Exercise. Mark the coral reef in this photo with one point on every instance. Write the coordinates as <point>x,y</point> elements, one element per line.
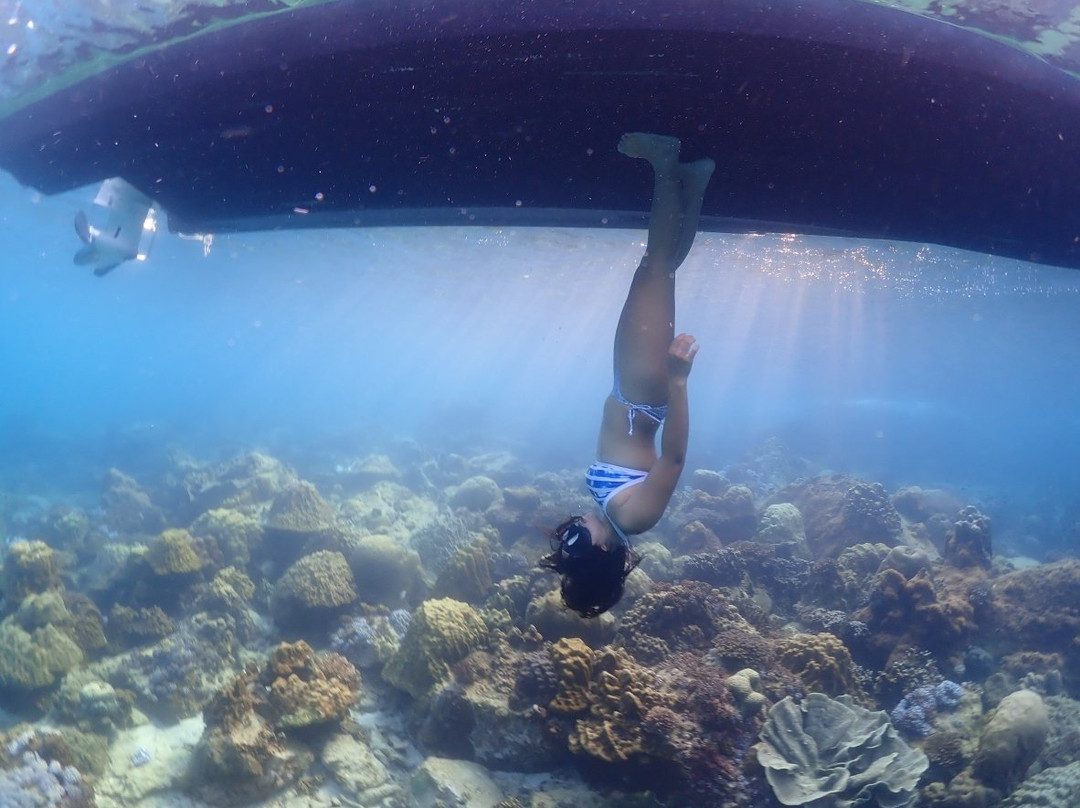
<point>30,660</point>
<point>968,544</point>
<point>903,611</point>
<point>839,511</point>
<point>303,689</point>
<point>781,523</point>
<point>831,752</point>
<point>1036,609</point>
<point>243,755</point>
<point>915,714</point>
<point>442,631</point>
<point>386,572</point>
<point>823,664</point>
<point>368,642</point>
<point>476,494</point>
<point>174,678</point>
<point>240,758</point>
<point>676,617</point>
<point>1053,788</point>
<point>130,627</point>
<point>730,516</point>
<point>554,621</point>
<point>236,533</point>
<point>128,508</point>
<point>30,567</point>
<point>34,782</point>
<point>744,690</point>
<point>572,663</point>
<point>466,576</point>
<point>313,590</point>
<point>173,553</point>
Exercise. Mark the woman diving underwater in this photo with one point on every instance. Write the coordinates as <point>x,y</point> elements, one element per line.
<point>630,482</point>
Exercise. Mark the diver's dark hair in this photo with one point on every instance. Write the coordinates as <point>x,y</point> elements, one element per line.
<point>592,582</point>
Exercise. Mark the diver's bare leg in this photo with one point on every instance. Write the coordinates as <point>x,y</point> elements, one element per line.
<point>647,323</point>
<point>694,178</point>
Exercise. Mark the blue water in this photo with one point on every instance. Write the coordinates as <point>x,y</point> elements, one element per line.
<point>907,364</point>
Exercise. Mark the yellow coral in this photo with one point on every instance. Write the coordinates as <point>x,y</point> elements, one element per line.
<point>823,663</point>
<point>173,553</point>
<point>622,692</point>
<point>29,567</point>
<point>573,660</point>
<point>467,575</point>
<point>442,631</point>
<point>743,686</point>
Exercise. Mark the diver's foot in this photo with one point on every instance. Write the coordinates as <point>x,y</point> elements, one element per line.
<point>695,178</point>
<point>660,150</point>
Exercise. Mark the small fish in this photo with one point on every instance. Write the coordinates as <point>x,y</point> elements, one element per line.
<point>141,756</point>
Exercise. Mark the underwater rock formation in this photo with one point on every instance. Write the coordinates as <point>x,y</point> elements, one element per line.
<point>831,753</point>
<point>1011,740</point>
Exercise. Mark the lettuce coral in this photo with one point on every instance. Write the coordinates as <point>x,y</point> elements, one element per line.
<point>831,753</point>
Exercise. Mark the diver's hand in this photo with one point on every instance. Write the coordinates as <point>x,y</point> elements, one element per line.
<point>681,356</point>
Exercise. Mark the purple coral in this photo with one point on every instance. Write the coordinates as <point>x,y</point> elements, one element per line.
<point>37,783</point>
<point>359,638</point>
<point>356,641</point>
<point>915,714</point>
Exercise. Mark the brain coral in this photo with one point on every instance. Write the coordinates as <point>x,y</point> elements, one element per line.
<point>314,587</point>
<point>442,631</point>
